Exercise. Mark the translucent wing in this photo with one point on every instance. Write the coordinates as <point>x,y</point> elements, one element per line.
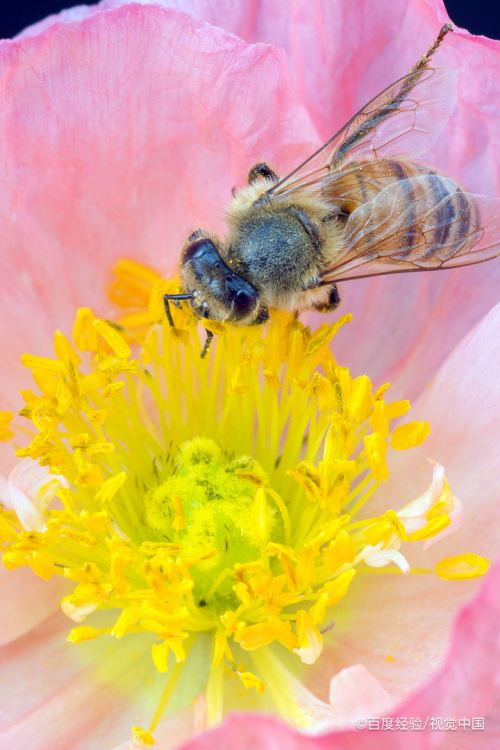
<point>402,121</point>
<point>421,223</point>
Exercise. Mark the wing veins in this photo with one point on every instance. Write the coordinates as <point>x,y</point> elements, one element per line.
<point>377,110</point>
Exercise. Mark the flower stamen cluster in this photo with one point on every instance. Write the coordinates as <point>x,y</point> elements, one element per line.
<point>224,498</point>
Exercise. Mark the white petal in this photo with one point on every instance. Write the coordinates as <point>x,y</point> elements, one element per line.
<point>310,653</point>
<point>78,614</point>
<point>356,694</point>
<point>456,520</point>
<point>419,507</point>
<point>379,558</point>
<point>414,524</point>
<point>30,488</point>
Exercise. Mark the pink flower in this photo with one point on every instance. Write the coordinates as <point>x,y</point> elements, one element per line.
<point>124,127</point>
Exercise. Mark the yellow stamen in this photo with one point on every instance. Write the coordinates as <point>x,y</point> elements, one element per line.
<point>142,738</point>
<point>410,435</point>
<point>250,681</point>
<point>5,420</point>
<point>375,450</point>
<point>462,566</point>
<point>85,633</point>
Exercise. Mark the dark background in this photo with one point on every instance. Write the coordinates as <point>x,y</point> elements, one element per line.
<point>478,16</point>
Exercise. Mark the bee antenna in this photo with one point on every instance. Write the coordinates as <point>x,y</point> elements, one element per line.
<point>174,298</point>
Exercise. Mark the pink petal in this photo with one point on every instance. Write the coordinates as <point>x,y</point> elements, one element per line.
<point>337,64</point>
<point>170,733</point>
<point>463,407</point>
<point>47,678</point>
<point>467,684</point>
<point>355,694</point>
<point>26,601</point>
<point>412,341</point>
<point>69,697</point>
<point>397,628</point>
<point>250,731</point>
<point>383,616</point>
<point>240,17</point>
<point>121,133</point>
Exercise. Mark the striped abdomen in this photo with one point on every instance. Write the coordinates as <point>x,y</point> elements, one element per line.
<point>417,213</point>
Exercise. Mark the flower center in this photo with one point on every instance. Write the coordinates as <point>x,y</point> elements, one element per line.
<point>214,499</point>
<point>211,505</point>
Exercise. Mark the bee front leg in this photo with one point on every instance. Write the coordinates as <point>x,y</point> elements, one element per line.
<point>174,299</point>
<point>259,171</point>
<point>332,302</point>
<point>168,312</point>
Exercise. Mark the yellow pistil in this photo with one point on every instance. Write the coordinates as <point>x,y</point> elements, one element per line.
<point>211,500</point>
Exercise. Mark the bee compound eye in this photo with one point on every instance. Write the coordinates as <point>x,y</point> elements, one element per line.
<point>244,302</point>
<point>199,249</point>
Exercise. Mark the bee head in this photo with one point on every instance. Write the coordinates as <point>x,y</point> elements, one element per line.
<point>218,292</point>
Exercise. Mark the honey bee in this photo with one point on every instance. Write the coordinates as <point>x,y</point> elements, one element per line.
<point>359,206</point>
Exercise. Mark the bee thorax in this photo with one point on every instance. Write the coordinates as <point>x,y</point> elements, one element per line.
<point>275,252</point>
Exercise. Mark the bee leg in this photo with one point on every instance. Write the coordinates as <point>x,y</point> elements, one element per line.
<point>332,302</point>
<point>167,310</point>
<point>174,299</point>
<point>261,317</point>
<point>261,170</point>
<point>206,345</point>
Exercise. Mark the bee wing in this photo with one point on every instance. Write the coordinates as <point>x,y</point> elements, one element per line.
<point>421,223</point>
<point>404,120</point>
